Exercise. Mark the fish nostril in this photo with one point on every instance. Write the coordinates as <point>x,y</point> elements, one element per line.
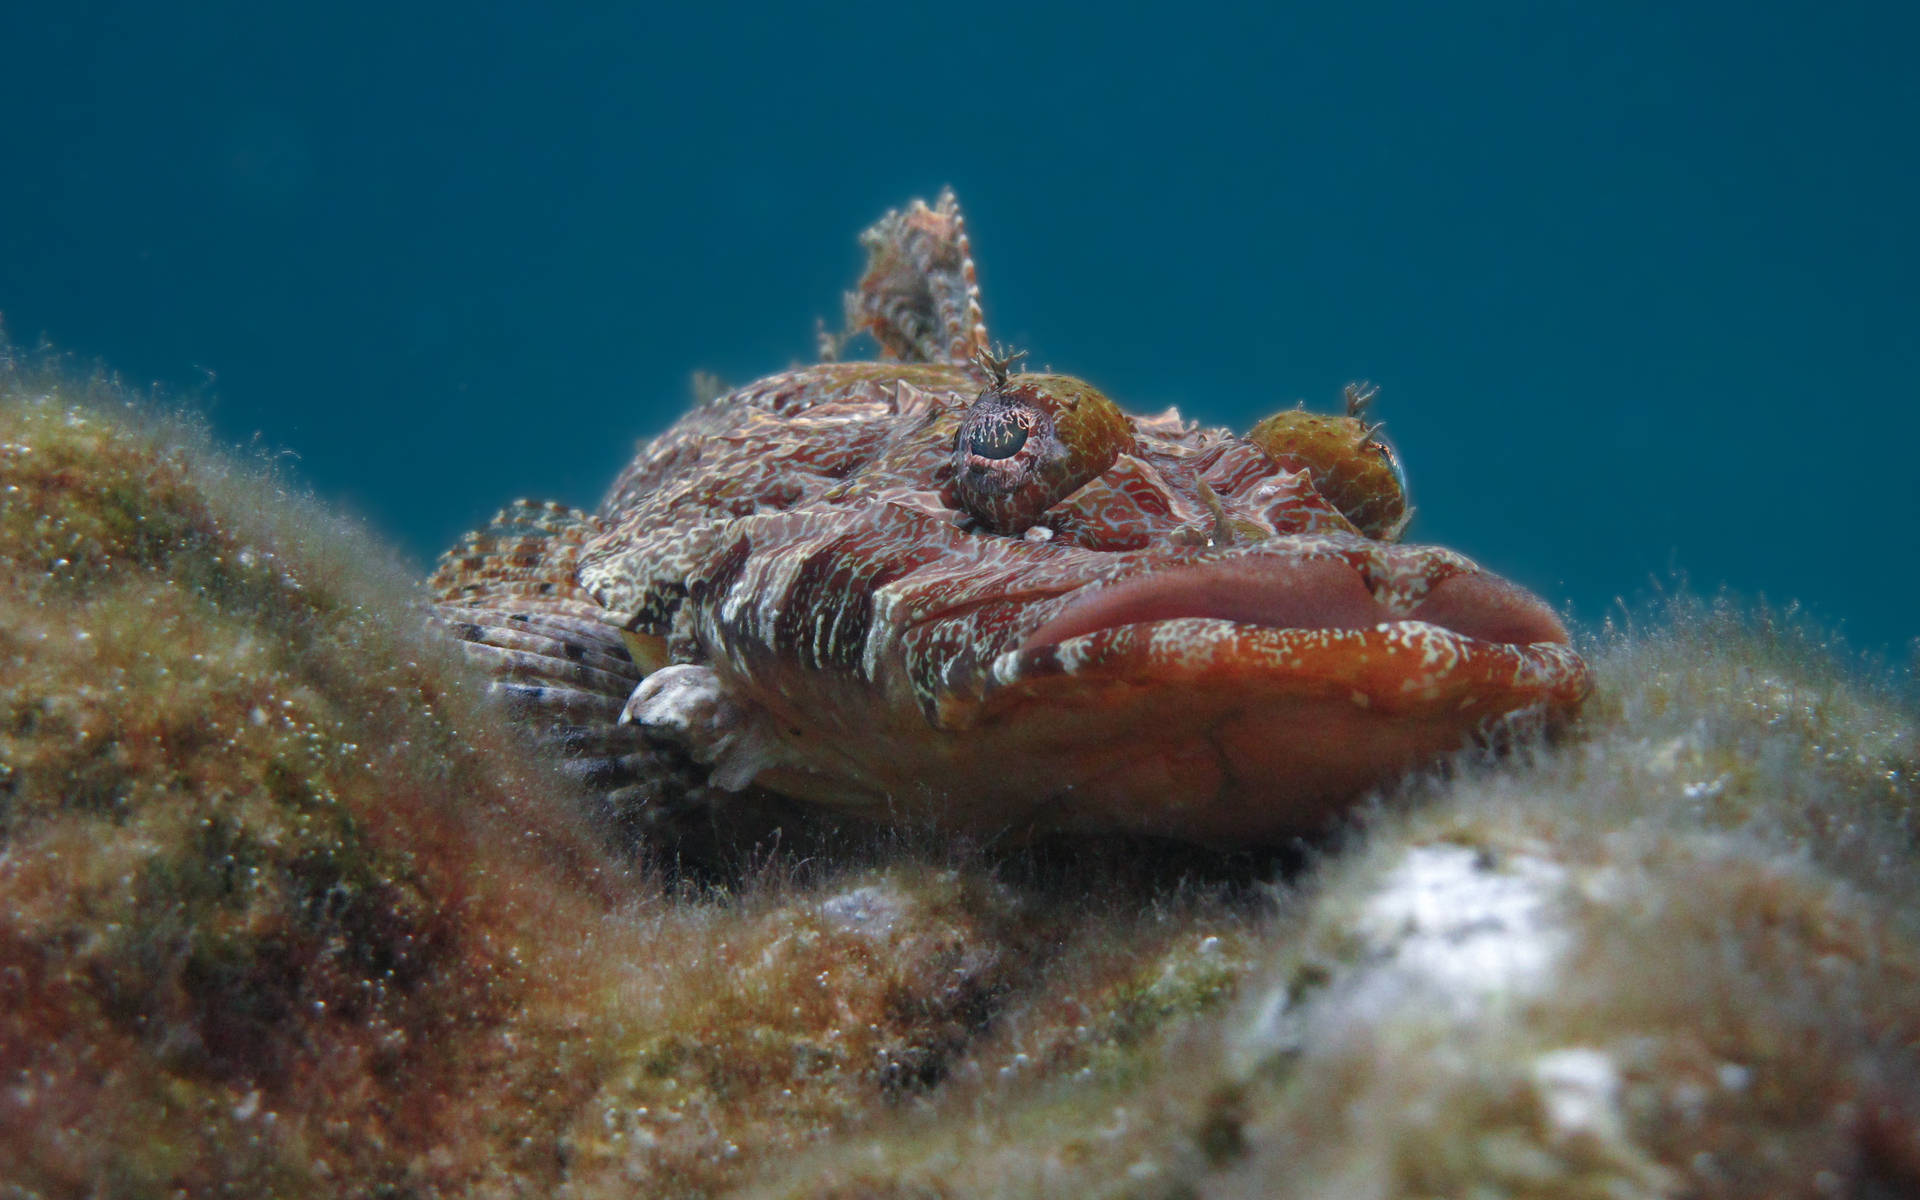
<point>1398,579</point>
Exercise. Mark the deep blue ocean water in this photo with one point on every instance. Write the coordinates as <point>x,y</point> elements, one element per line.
<point>1638,281</point>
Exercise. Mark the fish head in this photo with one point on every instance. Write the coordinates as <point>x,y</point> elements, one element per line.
<point>1211,635</point>
<point>1016,603</point>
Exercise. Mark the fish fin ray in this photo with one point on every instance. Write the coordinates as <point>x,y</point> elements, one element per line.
<point>510,595</point>
<point>919,297</point>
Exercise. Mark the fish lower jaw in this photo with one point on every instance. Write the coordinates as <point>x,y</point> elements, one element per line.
<point>1217,732</point>
<point>1202,729</point>
<point>1212,732</point>
<point>1390,666</point>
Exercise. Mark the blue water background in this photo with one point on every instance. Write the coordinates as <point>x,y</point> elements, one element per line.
<point>1638,280</point>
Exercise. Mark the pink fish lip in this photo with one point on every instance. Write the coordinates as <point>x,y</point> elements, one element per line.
<point>1316,593</point>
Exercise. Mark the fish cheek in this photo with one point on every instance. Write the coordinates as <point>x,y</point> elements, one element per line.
<point>1030,441</point>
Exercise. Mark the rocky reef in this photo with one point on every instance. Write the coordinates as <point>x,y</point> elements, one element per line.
<point>286,908</point>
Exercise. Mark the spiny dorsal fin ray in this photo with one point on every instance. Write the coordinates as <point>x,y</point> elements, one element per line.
<point>919,298</point>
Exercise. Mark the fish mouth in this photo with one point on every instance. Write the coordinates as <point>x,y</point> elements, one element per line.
<point>1250,699</point>
<point>1312,593</point>
<point>1399,630</point>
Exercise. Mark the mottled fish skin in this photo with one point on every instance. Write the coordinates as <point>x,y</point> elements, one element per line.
<point>935,589</point>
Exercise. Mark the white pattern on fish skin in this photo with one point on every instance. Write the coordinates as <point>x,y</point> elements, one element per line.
<point>1399,583</point>
<point>1440,650</point>
<point>882,632</point>
<point>1005,668</point>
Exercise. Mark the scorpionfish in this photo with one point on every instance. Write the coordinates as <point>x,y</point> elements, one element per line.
<point>938,589</point>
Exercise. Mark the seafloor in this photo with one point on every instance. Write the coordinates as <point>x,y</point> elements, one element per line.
<point>286,909</point>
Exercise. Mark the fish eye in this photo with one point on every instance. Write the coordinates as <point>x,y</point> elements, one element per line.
<point>1351,466</point>
<point>1391,458</point>
<point>1030,441</point>
<point>997,439</point>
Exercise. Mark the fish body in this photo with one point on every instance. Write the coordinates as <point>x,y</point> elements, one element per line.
<point>935,589</point>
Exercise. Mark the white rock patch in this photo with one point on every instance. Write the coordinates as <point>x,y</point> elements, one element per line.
<point>1457,928</point>
<point>1579,1090</point>
<point>1448,933</point>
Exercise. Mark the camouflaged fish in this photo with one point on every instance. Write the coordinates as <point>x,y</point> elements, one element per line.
<point>938,589</point>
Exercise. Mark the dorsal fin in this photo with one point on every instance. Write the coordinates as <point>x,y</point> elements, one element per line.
<point>919,297</point>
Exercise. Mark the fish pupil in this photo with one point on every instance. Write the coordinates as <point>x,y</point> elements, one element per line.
<point>997,440</point>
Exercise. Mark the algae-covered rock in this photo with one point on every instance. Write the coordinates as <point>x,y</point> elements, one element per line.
<point>286,908</point>
<point>278,897</point>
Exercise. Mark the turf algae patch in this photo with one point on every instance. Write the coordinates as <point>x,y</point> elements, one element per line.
<point>790,1017</point>
<point>274,887</point>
